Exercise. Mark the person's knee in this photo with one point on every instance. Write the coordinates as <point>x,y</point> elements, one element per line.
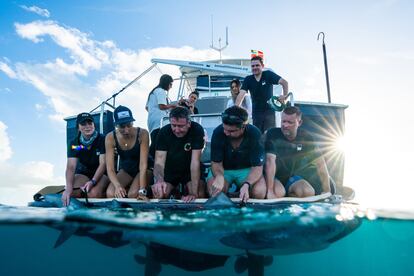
<point>301,188</point>
<point>94,193</point>
<point>110,192</point>
<point>259,189</point>
<point>132,193</point>
<point>279,191</point>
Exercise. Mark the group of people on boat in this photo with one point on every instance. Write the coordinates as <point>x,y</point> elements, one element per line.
<point>258,160</point>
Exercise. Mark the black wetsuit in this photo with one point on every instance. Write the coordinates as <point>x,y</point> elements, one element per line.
<point>88,157</point>
<point>129,159</point>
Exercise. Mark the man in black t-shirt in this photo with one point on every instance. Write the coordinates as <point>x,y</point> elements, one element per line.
<point>177,157</point>
<point>260,85</point>
<point>237,156</point>
<point>294,164</point>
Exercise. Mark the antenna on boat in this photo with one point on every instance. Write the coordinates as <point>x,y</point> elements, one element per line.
<point>325,61</point>
<point>219,48</point>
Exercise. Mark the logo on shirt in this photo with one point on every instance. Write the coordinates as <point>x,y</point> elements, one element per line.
<point>263,83</point>
<point>98,153</point>
<point>299,147</point>
<point>187,147</point>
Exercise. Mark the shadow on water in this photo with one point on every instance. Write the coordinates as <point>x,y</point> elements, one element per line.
<point>252,237</point>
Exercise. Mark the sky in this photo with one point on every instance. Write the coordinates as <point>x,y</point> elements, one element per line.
<point>60,58</point>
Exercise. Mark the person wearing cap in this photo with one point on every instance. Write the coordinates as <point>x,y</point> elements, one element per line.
<point>294,163</point>
<point>178,157</point>
<point>158,106</point>
<point>131,144</point>
<point>260,85</point>
<point>237,156</point>
<point>85,169</point>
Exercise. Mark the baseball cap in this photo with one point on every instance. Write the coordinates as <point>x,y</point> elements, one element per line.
<point>82,117</point>
<point>122,115</point>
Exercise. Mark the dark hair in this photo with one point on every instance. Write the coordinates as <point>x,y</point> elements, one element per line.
<point>236,81</point>
<point>164,83</point>
<point>180,112</point>
<point>195,92</point>
<point>235,116</point>
<point>290,110</point>
<point>257,58</point>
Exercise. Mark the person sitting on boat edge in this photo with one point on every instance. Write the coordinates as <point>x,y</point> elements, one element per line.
<point>237,156</point>
<point>86,161</point>
<point>235,90</point>
<point>294,163</point>
<point>260,84</point>
<point>178,157</point>
<point>132,145</point>
<point>190,102</point>
<point>158,106</point>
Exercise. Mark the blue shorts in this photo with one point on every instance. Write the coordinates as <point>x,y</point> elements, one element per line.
<point>292,180</point>
<point>233,176</point>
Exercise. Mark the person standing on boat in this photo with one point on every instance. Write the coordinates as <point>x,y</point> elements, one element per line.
<point>86,161</point>
<point>178,157</point>
<point>131,144</point>
<point>158,106</point>
<point>190,102</point>
<point>260,86</point>
<point>235,90</point>
<point>237,156</point>
<point>294,163</point>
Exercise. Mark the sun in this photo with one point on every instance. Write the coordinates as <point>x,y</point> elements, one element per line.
<point>341,144</point>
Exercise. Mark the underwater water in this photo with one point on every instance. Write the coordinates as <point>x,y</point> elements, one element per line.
<point>295,239</point>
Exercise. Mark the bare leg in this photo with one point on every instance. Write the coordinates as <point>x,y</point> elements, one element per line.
<point>98,191</point>
<point>124,178</point>
<point>134,188</point>
<point>278,190</point>
<point>201,192</point>
<point>258,190</point>
<point>79,181</point>
<point>301,188</point>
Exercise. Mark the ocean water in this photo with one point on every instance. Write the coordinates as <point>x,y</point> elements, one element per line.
<point>297,239</point>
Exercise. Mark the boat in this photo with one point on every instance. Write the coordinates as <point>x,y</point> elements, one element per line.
<point>326,121</point>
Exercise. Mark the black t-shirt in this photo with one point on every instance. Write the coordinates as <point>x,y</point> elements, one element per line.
<point>296,157</point>
<point>179,150</point>
<point>250,153</point>
<point>88,157</point>
<point>261,91</point>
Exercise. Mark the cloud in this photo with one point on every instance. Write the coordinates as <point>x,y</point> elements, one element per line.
<point>7,70</point>
<point>39,107</point>
<point>26,178</point>
<point>65,81</point>
<point>5,149</point>
<point>36,10</point>
<point>21,182</point>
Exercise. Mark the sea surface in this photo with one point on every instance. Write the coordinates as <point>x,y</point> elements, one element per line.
<point>291,239</point>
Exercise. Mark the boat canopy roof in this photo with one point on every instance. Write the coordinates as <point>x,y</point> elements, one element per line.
<point>234,67</point>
